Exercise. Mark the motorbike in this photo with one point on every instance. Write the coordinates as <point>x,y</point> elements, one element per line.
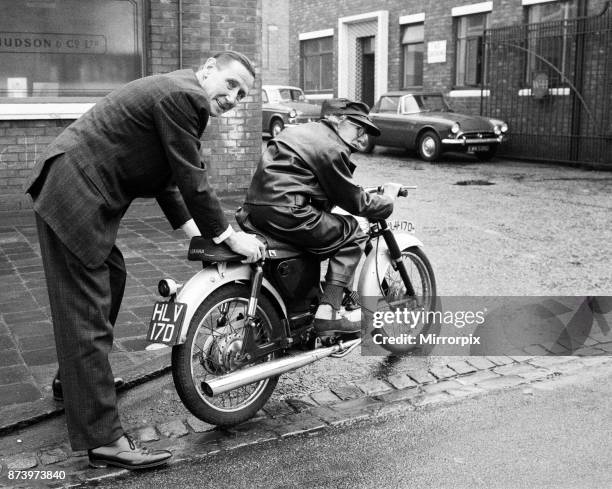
<point>235,328</point>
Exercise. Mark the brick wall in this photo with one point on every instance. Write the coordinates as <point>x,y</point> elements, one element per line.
<point>275,42</point>
<point>315,15</point>
<point>232,142</point>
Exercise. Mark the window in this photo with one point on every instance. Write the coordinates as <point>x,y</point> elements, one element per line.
<point>64,48</point>
<point>470,56</point>
<point>412,55</point>
<point>317,64</point>
<point>547,41</point>
<point>264,97</point>
<point>388,105</point>
<point>410,105</point>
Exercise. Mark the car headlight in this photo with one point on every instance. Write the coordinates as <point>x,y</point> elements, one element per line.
<point>292,114</point>
<point>455,128</point>
<point>497,130</point>
<point>504,127</point>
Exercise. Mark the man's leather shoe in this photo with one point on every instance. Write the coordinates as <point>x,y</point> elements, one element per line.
<point>126,454</point>
<point>329,321</point>
<point>56,387</point>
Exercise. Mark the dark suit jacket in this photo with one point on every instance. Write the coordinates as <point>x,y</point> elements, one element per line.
<point>142,140</point>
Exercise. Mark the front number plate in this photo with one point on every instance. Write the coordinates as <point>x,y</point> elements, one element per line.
<point>166,322</point>
<point>474,149</point>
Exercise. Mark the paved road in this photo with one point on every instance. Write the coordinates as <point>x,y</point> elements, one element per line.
<point>556,434</point>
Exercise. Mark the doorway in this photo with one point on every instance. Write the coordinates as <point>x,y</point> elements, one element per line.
<point>367,72</point>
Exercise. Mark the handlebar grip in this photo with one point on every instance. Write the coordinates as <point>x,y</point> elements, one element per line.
<point>403,192</point>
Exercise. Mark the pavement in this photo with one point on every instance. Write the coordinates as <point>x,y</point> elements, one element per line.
<point>151,250</point>
<point>54,465</point>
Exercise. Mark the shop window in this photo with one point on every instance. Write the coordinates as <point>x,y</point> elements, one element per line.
<point>317,60</point>
<point>412,55</point>
<point>69,48</point>
<point>548,43</point>
<point>469,49</point>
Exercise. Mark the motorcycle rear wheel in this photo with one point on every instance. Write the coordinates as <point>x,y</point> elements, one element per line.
<point>423,281</point>
<point>214,340</point>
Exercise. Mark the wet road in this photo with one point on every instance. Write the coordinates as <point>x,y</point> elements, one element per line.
<point>556,434</point>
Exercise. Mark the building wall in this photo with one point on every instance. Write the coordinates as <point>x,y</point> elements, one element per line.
<point>232,142</point>
<point>315,15</point>
<point>309,16</point>
<point>275,42</point>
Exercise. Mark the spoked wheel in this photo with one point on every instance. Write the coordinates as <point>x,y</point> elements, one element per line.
<point>396,297</point>
<point>212,349</point>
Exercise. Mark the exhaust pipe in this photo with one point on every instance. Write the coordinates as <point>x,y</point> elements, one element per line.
<point>273,368</point>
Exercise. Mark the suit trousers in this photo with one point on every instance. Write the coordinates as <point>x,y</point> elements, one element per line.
<point>84,307</point>
<point>326,235</point>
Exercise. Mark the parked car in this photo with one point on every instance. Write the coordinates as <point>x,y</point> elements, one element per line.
<point>285,106</point>
<point>425,122</point>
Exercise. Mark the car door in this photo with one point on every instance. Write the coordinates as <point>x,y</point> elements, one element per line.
<point>385,116</point>
<point>409,114</point>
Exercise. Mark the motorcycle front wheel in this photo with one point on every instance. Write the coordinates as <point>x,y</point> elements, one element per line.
<point>396,298</point>
<point>212,349</point>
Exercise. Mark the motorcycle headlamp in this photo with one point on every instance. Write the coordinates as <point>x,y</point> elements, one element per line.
<point>167,287</point>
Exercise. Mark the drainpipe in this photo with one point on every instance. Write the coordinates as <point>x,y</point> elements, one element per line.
<point>180,33</point>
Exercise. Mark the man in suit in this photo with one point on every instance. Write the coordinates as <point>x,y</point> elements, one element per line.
<point>142,140</point>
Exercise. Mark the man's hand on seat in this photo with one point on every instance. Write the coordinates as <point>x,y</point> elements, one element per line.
<point>247,245</point>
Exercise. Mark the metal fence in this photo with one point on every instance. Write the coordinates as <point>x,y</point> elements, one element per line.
<point>552,83</point>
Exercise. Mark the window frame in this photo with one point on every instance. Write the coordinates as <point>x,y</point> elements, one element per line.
<point>481,55</point>
<point>320,55</point>
<point>69,107</point>
<point>403,28</point>
<point>558,81</point>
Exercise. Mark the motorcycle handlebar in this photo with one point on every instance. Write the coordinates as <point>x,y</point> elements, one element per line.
<point>403,192</point>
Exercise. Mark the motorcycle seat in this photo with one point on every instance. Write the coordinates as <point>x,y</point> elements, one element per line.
<point>205,250</point>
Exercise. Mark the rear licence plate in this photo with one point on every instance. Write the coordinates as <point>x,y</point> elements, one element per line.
<point>166,322</point>
<point>481,147</point>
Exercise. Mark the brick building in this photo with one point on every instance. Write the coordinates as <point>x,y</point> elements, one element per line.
<point>58,56</point>
<point>275,42</point>
<point>360,50</point>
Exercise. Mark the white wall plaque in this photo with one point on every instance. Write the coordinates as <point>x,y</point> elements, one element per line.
<point>436,51</point>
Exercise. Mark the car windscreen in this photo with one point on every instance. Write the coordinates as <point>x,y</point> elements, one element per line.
<point>285,94</point>
<point>431,103</point>
<point>297,96</point>
<point>388,104</point>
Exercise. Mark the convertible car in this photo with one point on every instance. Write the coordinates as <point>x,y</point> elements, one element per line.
<point>425,122</point>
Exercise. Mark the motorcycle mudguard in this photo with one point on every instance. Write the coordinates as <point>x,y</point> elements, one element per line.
<point>368,277</point>
<point>203,283</point>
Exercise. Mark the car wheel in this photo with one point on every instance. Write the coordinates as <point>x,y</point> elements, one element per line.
<point>487,155</point>
<point>276,127</point>
<point>429,147</point>
<point>369,145</point>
